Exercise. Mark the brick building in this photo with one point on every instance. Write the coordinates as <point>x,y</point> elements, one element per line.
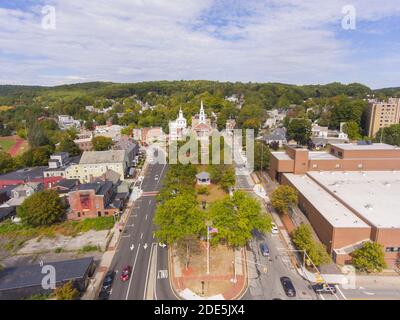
<point>93,200</point>
<point>348,194</point>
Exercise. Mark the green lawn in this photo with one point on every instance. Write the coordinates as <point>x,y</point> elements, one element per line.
<point>67,228</point>
<point>6,144</point>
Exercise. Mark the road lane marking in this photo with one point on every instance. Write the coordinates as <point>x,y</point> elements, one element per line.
<point>126,236</point>
<point>148,294</point>
<point>133,270</point>
<point>162,274</point>
<point>146,216</point>
<point>341,293</point>
<point>141,236</point>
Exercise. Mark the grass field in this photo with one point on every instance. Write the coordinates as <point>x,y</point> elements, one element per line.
<point>6,143</point>
<point>14,145</point>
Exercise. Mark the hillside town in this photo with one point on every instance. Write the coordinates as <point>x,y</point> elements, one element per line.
<point>126,175</point>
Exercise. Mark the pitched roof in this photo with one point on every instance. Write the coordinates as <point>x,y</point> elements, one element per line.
<point>203,175</point>
<point>31,275</point>
<point>99,157</point>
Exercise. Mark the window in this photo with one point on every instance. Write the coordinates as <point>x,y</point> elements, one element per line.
<point>106,213</point>
<point>337,166</point>
<point>392,249</point>
<point>78,214</point>
<point>99,213</point>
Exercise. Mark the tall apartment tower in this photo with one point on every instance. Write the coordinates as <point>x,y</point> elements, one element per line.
<point>382,114</point>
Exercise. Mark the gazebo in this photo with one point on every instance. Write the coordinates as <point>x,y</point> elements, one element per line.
<point>203,178</point>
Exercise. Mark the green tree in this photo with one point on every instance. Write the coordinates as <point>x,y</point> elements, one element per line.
<point>236,218</point>
<point>66,292</point>
<point>299,130</point>
<point>353,130</point>
<point>178,218</point>
<point>35,157</point>
<point>41,209</point>
<point>369,258</point>
<point>37,136</point>
<point>6,162</point>
<point>262,154</point>
<point>303,240</point>
<point>224,175</point>
<point>283,197</point>
<point>389,135</point>
<point>68,145</point>
<point>101,143</point>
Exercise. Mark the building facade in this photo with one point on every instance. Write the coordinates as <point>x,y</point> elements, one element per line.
<point>348,194</point>
<point>382,114</point>
<point>94,164</point>
<point>93,200</point>
<point>177,128</point>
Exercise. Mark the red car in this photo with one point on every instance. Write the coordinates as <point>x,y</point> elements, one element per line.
<point>126,273</point>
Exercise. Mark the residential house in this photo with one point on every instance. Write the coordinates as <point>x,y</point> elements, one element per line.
<point>131,148</point>
<point>278,136</point>
<point>59,163</point>
<point>84,141</point>
<point>28,175</point>
<point>109,131</point>
<point>66,122</point>
<point>21,192</point>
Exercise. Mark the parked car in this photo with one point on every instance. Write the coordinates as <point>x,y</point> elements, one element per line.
<point>324,288</point>
<point>274,229</point>
<point>108,281</point>
<point>264,249</point>
<point>126,273</point>
<point>104,295</point>
<point>288,287</point>
<point>156,177</point>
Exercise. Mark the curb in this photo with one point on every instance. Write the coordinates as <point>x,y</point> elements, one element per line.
<point>241,293</point>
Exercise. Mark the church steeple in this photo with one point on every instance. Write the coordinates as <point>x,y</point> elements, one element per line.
<point>202,114</point>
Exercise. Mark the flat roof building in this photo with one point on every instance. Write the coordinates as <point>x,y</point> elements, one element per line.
<point>348,194</point>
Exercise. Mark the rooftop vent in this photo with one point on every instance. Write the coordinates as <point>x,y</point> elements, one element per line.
<point>369,207</point>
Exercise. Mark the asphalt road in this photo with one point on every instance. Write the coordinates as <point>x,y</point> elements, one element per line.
<point>139,249</point>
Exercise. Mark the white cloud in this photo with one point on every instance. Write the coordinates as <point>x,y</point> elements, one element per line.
<point>133,40</point>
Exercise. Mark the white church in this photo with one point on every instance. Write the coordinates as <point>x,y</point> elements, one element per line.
<point>201,125</point>
<point>178,128</point>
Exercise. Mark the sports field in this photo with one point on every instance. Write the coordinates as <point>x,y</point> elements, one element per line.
<point>14,145</point>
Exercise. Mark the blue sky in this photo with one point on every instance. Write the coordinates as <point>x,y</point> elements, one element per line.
<point>290,41</point>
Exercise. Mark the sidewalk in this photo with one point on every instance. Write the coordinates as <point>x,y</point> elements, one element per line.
<point>195,284</point>
<point>95,282</point>
<point>286,225</point>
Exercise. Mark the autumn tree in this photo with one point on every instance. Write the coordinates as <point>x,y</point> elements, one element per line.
<point>283,197</point>
<point>66,292</point>
<point>303,240</point>
<point>369,258</point>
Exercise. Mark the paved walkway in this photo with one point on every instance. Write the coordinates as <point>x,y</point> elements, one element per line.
<point>186,284</point>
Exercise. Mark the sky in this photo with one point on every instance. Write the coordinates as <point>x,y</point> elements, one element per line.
<point>288,41</point>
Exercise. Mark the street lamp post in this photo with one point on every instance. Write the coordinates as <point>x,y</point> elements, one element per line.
<point>234,279</point>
